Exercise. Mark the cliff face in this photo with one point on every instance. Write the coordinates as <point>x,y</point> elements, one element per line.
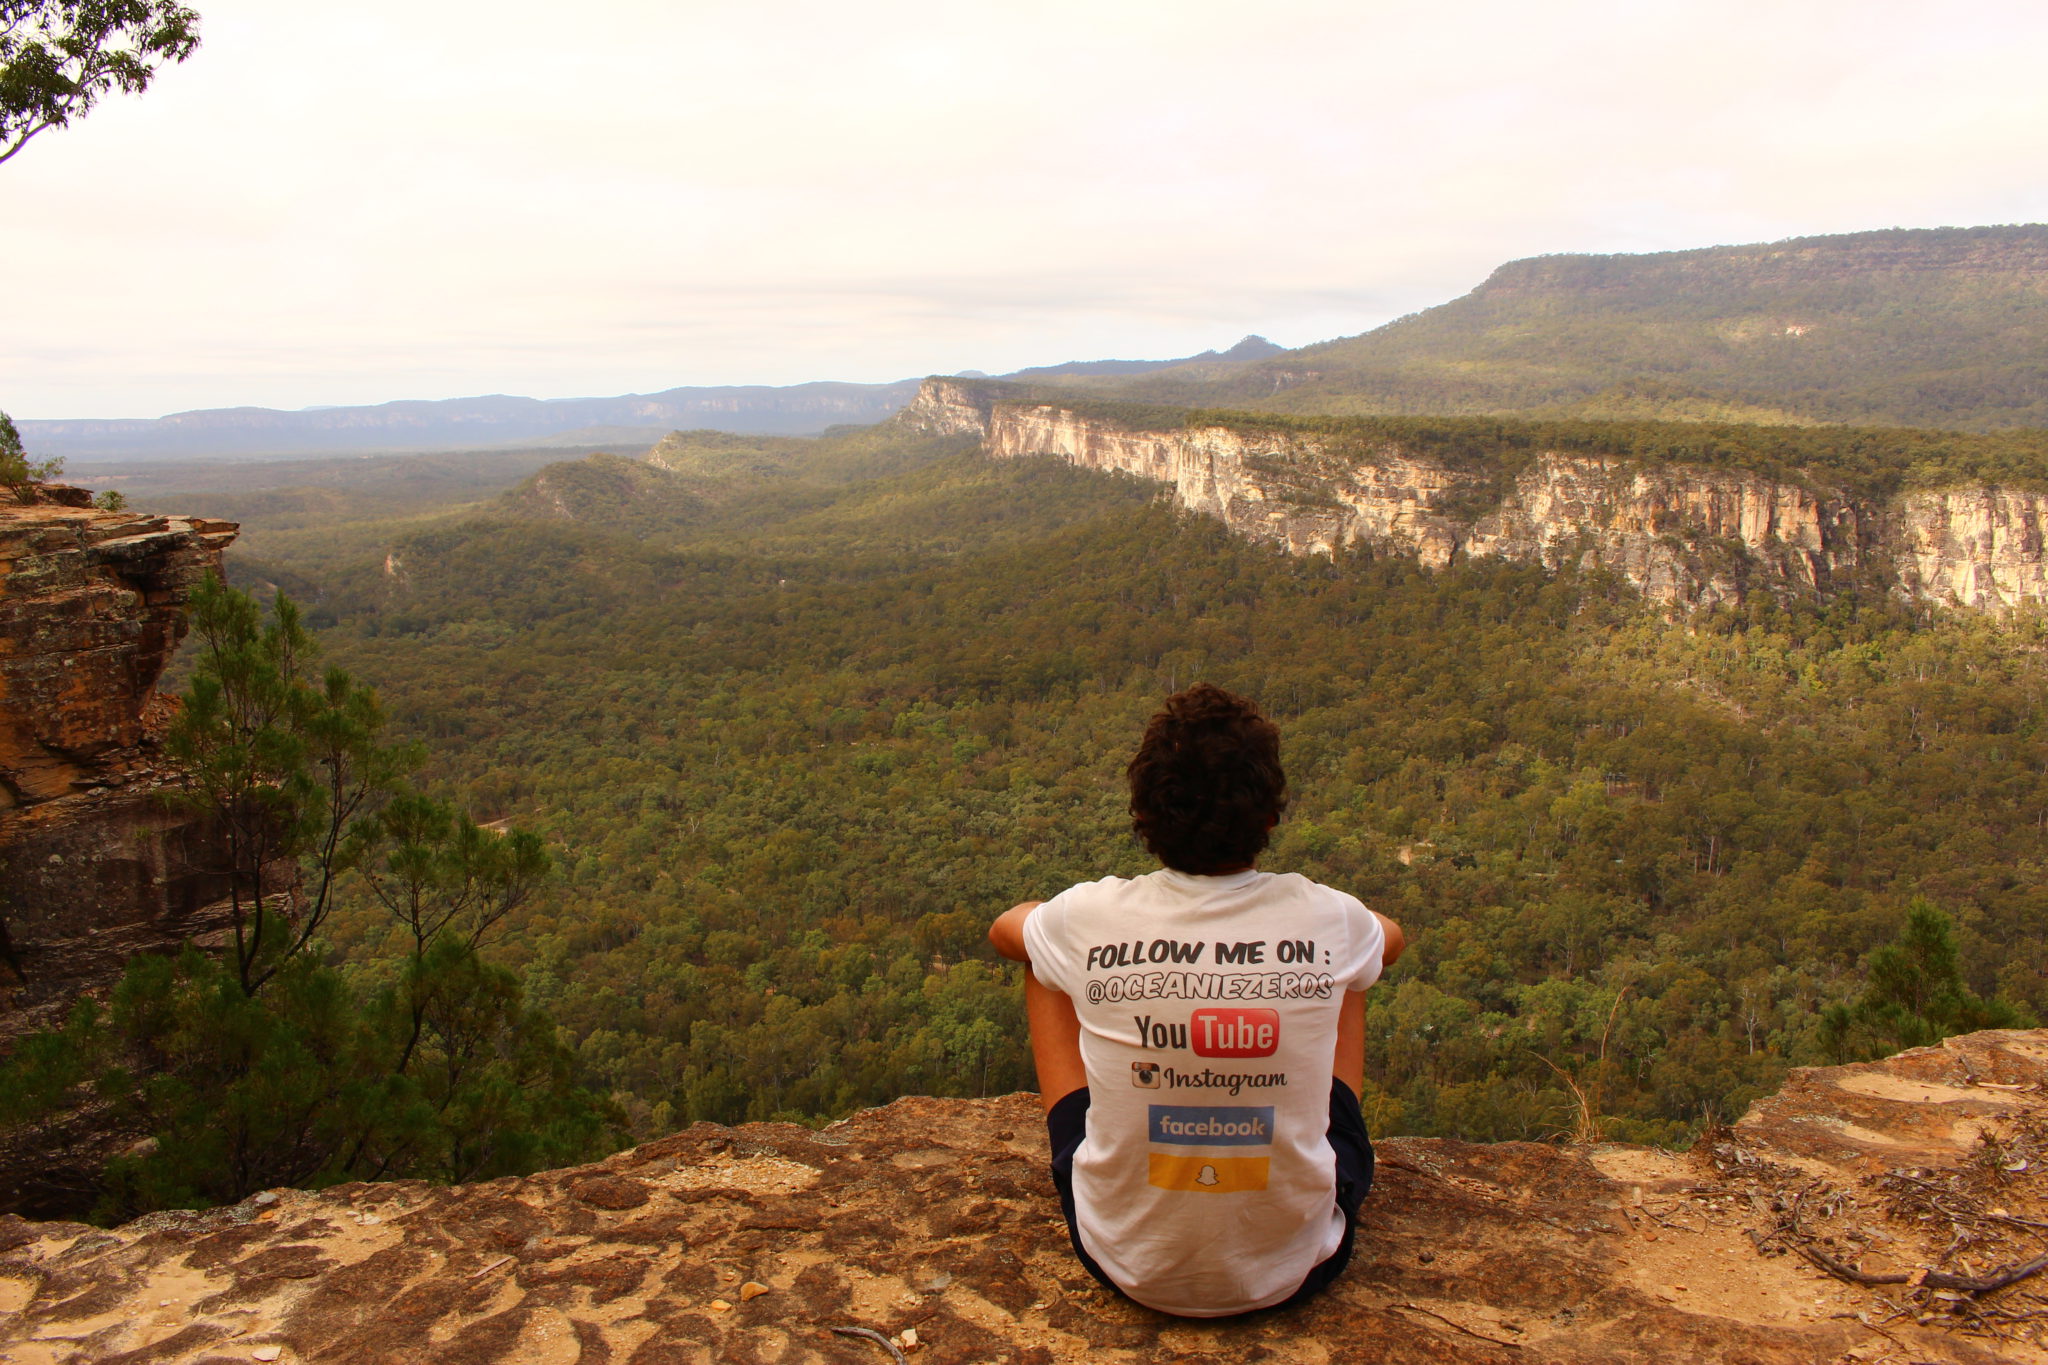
<point>1977,547</point>
<point>92,866</point>
<point>932,1224</point>
<point>1687,537</point>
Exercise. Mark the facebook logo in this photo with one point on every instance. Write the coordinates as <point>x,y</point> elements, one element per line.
<point>1195,1125</point>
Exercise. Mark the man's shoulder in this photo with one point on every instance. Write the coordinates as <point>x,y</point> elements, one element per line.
<point>1100,887</point>
<point>1295,883</point>
<point>1291,888</point>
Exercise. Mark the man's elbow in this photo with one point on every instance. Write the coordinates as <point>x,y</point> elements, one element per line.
<point>1000,938</point>
<point>1006,935</point>
<point>1397,941</point>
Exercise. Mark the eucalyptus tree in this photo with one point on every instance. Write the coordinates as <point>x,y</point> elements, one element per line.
<point>58,58</point>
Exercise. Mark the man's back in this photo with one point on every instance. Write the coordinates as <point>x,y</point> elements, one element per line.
<point>1209,1009</point>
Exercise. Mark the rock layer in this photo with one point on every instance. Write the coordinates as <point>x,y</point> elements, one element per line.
<point>92,865</point>
<point>1685,536</point>
<point>936,1217</point>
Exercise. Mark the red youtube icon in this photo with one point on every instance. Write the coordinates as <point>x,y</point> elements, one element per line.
<point>1235,1033</point>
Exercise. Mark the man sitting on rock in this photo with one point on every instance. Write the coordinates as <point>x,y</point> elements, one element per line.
<point>1185,1024</point>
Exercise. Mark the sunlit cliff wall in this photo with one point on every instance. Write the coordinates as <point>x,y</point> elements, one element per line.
<point>1685,536</point>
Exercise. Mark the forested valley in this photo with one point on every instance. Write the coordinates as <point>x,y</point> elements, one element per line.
<point>797,718</point>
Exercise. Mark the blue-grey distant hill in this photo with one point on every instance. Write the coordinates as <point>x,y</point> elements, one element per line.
<point>499,421</point>
<point>470,423</point>
<point>1251,348</point>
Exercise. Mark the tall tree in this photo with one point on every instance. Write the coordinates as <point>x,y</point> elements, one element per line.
<point>291,773</point>
<point>271,1065</point>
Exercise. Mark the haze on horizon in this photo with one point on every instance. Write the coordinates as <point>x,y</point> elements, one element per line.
<point>457,197</point>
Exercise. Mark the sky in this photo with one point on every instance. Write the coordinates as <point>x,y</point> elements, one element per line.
<point>438,198</point>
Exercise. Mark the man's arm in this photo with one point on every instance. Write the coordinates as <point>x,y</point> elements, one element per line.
<point>1007,933</point>
<point>1056,1041</point>
<point>1055,1029</point>
<point>1397,942</point>
<point>1349,1064</point>
<point>1349,1067</point>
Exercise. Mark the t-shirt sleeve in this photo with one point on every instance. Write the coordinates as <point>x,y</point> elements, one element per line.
<point>1368,946</point>
<point>1048,942</point>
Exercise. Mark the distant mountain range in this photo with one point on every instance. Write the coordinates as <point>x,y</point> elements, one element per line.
<point>1938,327</point>
<point>499,421</point>
<point>1251,348</point>
<point>1941,327</point>
<point>471,423</point>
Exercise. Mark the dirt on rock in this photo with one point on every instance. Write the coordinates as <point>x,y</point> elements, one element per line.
<point>929,1228</point>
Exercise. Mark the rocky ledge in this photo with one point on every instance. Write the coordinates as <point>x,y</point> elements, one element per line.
<point>1859,1215</point>
<point>92,866</point>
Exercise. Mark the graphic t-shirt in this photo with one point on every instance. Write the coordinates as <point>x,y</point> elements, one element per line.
<point>1208,1005</point>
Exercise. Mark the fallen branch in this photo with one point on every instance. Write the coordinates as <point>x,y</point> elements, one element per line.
<point>1928,1279</point>
<point>869,1334</point>
<point>1458,1326</point>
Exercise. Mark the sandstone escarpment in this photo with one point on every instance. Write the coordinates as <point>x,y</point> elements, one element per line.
<point>1685,536</point>
<point>92,866</point>
<point>931,1225</point>
<point>1976,546</point>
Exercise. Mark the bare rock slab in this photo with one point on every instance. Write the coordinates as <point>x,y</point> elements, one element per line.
<point>932,1224</point>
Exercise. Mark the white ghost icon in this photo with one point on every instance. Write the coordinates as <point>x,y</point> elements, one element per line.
<point>1207,1177</point>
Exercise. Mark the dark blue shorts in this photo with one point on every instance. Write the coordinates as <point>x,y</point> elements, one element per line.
<point>1067,1123</point>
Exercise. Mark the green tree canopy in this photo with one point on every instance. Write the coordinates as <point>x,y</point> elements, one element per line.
<point>58,57</point>
<point>17,471</point>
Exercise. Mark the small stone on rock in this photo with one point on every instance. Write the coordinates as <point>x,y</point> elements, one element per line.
<point>752,1289</point>
<point>266,1353</point>
<point>720,1306</point>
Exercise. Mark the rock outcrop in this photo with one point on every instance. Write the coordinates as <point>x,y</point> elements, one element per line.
<point>93,867</point>
<point>1685,536</point>
<point>932,1225</point>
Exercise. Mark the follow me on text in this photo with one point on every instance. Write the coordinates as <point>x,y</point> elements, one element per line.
<point>1172,950</point>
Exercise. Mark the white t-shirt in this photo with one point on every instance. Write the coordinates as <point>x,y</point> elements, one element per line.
<point>1208,1005</point>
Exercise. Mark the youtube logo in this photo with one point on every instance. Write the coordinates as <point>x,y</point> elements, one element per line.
<point>1235,1033</point>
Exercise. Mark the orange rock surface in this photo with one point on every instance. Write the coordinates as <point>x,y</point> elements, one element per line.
<point>932,1223</point>
<point>92,867</point>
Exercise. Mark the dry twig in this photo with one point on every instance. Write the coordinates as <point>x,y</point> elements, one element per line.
<point>870,1334</point>
<point>1418,1308</point>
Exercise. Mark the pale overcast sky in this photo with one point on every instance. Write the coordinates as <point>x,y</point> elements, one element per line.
<point>434,198</point>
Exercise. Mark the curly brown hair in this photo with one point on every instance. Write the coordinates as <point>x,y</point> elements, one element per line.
<point>1206,782</point>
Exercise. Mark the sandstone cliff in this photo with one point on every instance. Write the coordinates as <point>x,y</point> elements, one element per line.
<point>935,1218</point>
<point>1685,536</point>
<point>93,868</point>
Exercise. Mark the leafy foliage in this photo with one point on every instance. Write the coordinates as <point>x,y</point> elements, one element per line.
<point>1916,996</point>
<point>794,755</point>
<point>17,471</point>
<point>273,1064</point>
<point>59,57</point>
<point>444,1074</point>
<point>290,774</point>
